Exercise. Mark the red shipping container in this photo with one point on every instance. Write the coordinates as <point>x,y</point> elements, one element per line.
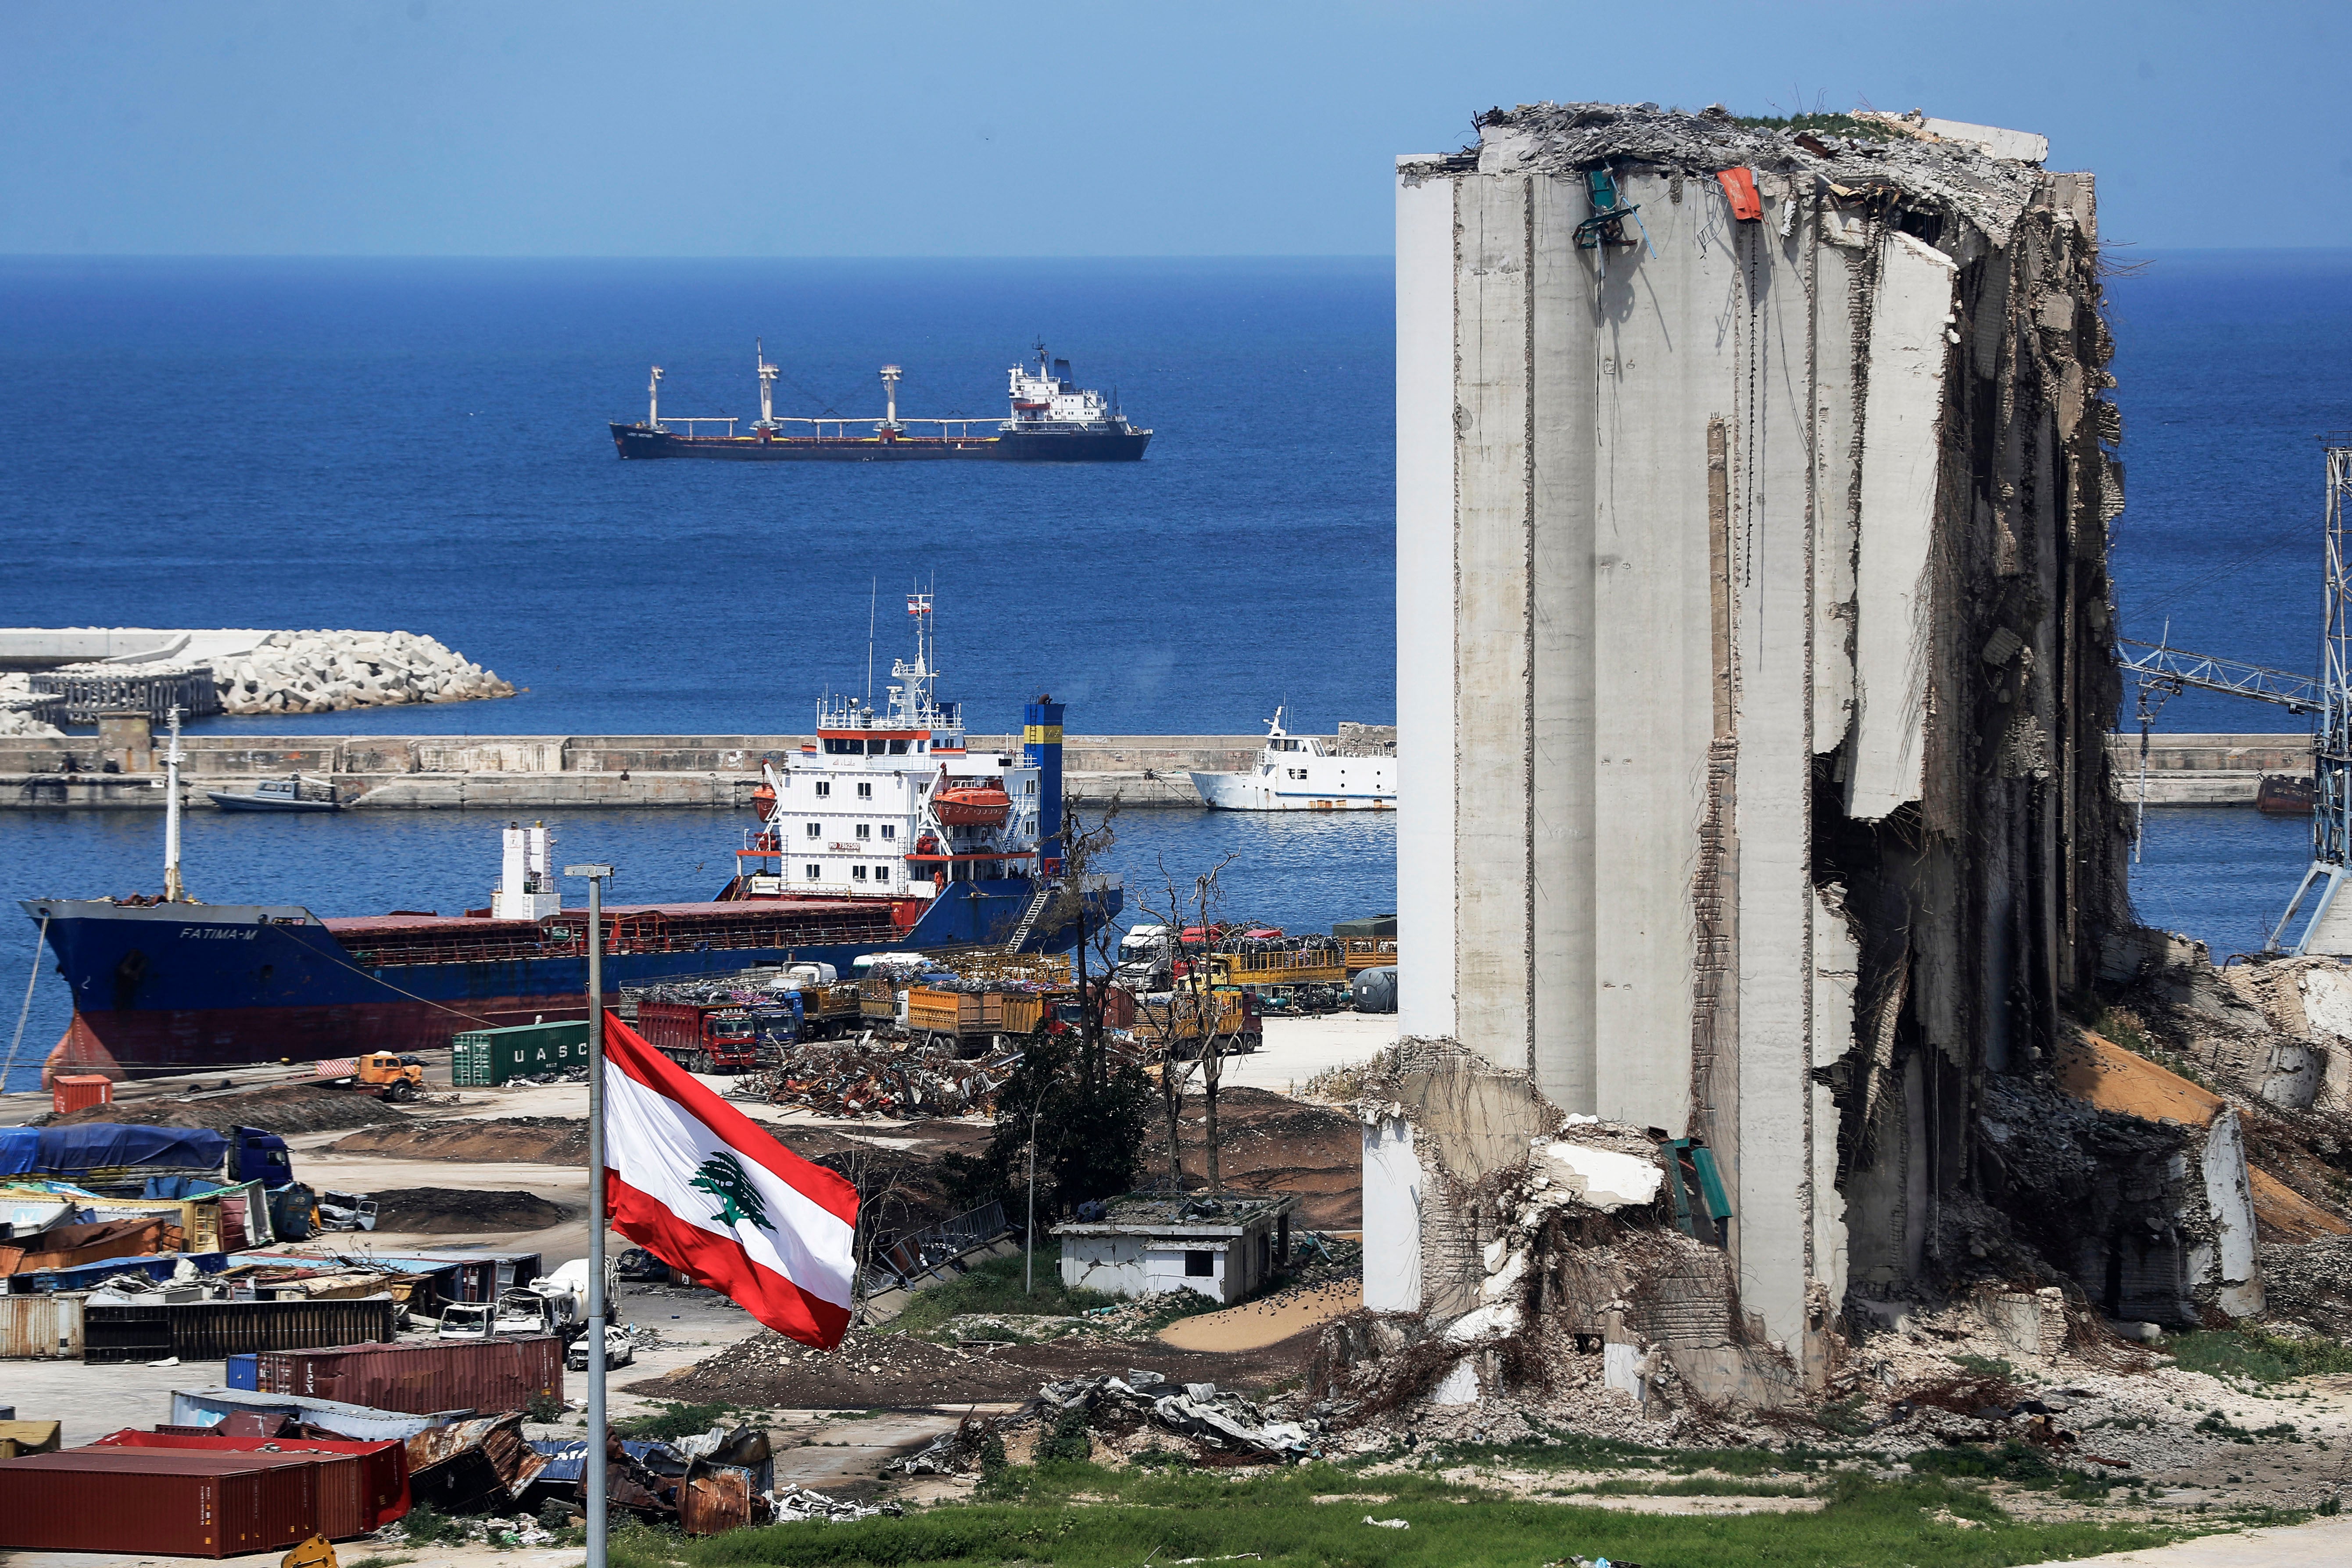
<point>81,1092</point>
<point>150,1500</point>
<point>488,1377</point>
<point>361,1485</point>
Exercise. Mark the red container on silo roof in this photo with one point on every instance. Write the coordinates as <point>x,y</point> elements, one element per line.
<point>488,1377</point>
<point>138,1500</point>
<point>362,1486</point>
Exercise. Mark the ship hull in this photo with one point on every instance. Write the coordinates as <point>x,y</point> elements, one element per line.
<point>635,441</point>
<point>176,988</point>
<point>1245,792</point>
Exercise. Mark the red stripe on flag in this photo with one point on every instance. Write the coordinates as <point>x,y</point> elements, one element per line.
<point>626,1049</point>
<point>720,1262</point>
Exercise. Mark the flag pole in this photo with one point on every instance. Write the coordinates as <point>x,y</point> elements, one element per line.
<point>592,1469</point>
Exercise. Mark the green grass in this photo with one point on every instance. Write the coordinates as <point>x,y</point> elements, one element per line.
<point>1700,1485</point>
<point>1170,1515</point>
<point>994,1285</point>
<point>2255,1356</point>
<point>673,1421</point>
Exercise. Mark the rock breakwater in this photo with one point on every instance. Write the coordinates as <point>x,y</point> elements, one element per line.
<point>326,671</point>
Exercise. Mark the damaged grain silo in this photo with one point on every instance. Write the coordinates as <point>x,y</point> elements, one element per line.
<point>1754,655</point>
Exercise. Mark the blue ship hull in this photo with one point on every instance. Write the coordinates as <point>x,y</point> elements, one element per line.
<point>180,987</point>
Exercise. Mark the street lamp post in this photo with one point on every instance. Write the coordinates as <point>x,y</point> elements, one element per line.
<point>592,1471</point>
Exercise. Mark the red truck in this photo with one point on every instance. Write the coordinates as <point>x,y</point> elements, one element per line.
<point>701,1037</point>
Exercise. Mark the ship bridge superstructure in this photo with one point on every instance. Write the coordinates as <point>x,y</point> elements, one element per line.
<point>887,802</point>
<point>1048,398</point>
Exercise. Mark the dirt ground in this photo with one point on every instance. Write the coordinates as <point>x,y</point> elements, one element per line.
<point>1253,1325</point>
<point>879,1370</point>
<point>537,1139</point>
<point>1269,1142</point>
<point>454,1211</point>
<point>284,1108</point>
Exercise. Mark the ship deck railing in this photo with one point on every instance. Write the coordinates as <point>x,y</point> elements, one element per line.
<point>497,950</point>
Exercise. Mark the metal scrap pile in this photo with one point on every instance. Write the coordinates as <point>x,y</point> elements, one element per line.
<point>873,1080</point>
<point>1218,1421</point>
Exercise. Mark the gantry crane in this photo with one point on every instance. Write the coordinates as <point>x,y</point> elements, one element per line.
<point>2165,672</point>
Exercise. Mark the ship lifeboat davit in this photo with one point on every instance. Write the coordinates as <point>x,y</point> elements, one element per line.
<point>972,805</point>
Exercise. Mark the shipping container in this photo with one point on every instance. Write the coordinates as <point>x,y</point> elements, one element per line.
<point>482,1058</point>
<point>362,1487</point>
<point>40,1328</point>
<point>203,1409</point>
<point>146,1500</point>
<point>240,1372</point>
<point>79,1091</point>
<point>484,1375</point>
<point>211,1330</point>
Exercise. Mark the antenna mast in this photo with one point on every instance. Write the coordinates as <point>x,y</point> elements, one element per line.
<point>175,891</point>
<point>873,601</point>
<point>2328,928</point>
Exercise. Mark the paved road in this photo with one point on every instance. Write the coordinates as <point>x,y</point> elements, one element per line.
<point>2321,1543</point>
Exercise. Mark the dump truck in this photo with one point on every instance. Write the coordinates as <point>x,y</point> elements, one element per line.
<point>960,1016</point>
<point>1175,1019</point>
<point>700,1036</point>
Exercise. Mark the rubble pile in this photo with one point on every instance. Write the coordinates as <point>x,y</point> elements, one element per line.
<point>323,672</point>
<point>1209,1420</point>
<point>23,712</point>
<point>869,1078</point>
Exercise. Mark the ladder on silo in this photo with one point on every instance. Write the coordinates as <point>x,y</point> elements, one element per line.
<point>1029,917</point>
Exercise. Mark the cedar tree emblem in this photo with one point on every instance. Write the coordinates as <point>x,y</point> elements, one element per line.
<point>723,1177</point>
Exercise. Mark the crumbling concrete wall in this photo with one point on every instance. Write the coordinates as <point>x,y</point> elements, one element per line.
<point>1753,650</point>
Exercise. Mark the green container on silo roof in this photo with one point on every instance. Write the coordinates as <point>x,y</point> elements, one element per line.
<point>484,1058</point>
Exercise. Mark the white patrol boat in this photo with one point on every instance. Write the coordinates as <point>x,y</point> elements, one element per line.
<point>1294,772</point>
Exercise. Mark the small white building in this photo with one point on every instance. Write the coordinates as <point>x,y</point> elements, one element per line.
<point>1224,1247</point>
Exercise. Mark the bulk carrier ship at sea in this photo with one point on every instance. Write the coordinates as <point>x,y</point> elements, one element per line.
<point>1052,420</point>
<point>884,836</point>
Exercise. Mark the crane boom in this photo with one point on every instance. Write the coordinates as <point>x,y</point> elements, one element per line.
<point>2173,670</point>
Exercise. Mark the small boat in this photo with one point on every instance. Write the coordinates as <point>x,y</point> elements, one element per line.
<point>1294,774</point>
<point>274,794</point>
<point>2287,794</point>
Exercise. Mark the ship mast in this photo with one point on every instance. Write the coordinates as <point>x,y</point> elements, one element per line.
<point>890,397</point>
<point>768,374</point>
<point>652,400</point>
<point>174,890</point>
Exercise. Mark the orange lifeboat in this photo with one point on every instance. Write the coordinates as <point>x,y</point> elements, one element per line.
<point>763,800</point>
<point>972,805</point>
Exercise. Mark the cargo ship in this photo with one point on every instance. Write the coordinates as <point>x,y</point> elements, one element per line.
<point>884,835</point>
<point>1052,420</point>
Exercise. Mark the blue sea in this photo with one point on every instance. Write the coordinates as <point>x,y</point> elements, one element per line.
<point>422,445</point>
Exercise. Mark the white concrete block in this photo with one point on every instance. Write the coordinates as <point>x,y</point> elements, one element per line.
<point>1900,454</point>
<point>2025,146</point>
<point>1425,605</point>
<point>1391,1217</point>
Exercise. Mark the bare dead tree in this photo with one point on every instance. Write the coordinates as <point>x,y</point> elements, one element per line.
<point>1081,846</point>
<point>1195,1008</point>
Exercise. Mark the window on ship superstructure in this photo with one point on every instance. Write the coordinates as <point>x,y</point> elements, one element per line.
<point>897,748</point>
<point>881,873</point>
<point>866,792</point>
<point>889,830</point>
<point>824,788</point>
<point>857,873</point>
<point>864,830</point>
<point>816,872</point>
<point>817,830</point>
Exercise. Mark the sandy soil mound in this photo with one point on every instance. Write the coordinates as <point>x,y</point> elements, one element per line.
<point>437,1211</point>
<point>886,1371</point>
<point>1257,1325</point>
<point>1269,1142</point>
<point>282,1108</point>
<point>535,1140</point>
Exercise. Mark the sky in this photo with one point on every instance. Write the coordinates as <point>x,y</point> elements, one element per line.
<point>588,128</point>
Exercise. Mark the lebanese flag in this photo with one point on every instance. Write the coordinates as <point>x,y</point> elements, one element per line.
<point>701,1186</point>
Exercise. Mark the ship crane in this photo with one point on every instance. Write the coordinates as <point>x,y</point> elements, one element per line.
<point>2164,672</point>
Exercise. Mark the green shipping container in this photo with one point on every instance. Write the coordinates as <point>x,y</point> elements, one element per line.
<point>483,1059</point>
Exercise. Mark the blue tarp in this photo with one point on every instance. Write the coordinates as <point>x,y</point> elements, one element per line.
<point>20,1151</point>
<point>115,1145</point>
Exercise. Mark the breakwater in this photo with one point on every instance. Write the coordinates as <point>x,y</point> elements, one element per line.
<point>528,773</point>
<point>525,773</point>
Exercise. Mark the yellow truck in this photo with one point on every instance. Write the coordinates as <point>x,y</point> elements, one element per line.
<point>1174,1020</point>
<point>1287,966</point>
<point>961,1014</point>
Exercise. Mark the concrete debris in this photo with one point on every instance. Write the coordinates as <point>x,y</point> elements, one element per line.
<point>789,1503</point>
<point>1222,1422</point>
